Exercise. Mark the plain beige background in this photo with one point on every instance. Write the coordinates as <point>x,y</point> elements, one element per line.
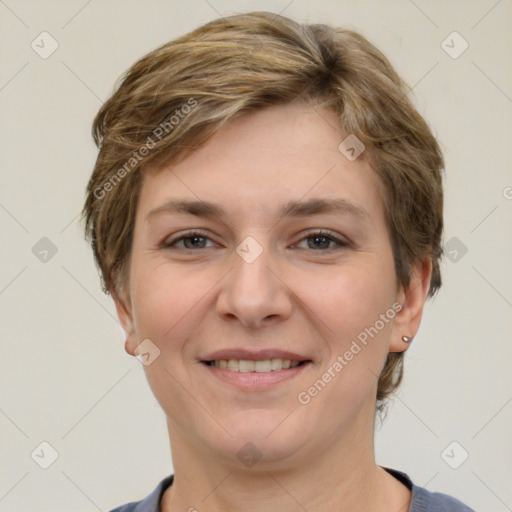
<point>64,377</point>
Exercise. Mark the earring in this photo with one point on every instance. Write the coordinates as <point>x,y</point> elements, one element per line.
<point>406,339</point>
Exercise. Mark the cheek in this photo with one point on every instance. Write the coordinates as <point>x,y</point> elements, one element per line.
<point>358,335</point>
<point>164,305</point>
<point>162,300</point>
<point>357,340</point>
<point>352,297</point>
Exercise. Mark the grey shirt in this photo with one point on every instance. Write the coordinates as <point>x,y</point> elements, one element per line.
<point>421,501</point>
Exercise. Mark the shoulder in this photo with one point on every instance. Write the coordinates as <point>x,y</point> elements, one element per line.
<point>129,507</point>
<point>426,501</point>
<point>423,500</point>
<point>150,503</point>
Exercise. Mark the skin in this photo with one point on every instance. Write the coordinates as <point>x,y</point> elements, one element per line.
<point>301,294</point>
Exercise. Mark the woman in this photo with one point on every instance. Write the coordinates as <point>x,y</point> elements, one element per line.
<point>266,211</point>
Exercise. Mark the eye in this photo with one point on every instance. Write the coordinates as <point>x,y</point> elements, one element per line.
<point>191,240</point>
<point>321,240</point>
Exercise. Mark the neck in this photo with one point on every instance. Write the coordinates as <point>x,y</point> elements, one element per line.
<point>342,477</point>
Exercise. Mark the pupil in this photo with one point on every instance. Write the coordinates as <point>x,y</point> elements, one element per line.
<point>316,238</point>
<point>193,240</point>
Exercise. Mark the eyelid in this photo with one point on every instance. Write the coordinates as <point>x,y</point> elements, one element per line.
<point>318,231</point>
<point>187,234</point>
<point>341,241</point>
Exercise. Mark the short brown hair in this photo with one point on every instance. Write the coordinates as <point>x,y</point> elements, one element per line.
<point>235,65</point>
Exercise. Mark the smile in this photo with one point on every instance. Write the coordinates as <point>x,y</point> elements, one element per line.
<point>246,366</point>
<point>255,376</point>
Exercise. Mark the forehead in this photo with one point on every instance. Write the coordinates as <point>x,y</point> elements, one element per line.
<point>265,161</point>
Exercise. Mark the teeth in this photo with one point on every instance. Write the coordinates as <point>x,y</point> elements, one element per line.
<point>232,365</point>
<point>276,364</point>
<point>264,366</point>
<point>245,366</point>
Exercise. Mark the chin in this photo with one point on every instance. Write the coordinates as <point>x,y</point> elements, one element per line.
<point>261,435</point>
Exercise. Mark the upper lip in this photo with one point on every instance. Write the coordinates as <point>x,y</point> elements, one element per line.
<point>249,355</point>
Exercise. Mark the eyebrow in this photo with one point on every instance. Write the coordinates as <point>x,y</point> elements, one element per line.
<point>206,209</point>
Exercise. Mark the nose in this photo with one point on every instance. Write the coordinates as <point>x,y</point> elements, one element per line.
<point>253,292</point>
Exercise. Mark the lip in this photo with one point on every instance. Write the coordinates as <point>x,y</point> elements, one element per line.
<point>256,381</point>
<point>259,355</point>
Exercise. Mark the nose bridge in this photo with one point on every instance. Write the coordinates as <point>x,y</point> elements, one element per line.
<point>251,291</point>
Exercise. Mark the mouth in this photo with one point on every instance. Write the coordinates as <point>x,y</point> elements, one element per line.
<point>261,366</point>
<point>252,376</point>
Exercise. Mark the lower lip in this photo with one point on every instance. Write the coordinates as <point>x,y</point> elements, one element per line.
<point>256,381</point>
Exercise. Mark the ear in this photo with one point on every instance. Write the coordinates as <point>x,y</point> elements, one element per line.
<point>407,320</point>
<point>124,312</point>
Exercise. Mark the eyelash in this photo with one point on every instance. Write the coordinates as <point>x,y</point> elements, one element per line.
<point>320,233</point>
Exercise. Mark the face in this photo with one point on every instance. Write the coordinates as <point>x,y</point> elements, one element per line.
<point>289,260</point>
